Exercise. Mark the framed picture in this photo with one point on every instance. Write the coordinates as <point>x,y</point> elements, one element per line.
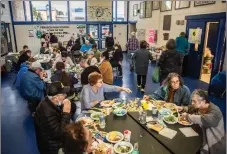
<point>166,6</point>
<point>142,10</point>
<point>156,5</point>
<point>135,9</point>
<point>201,3</point>
<point>223,1</point>
<point>148,8</point>
<point>182,4</point>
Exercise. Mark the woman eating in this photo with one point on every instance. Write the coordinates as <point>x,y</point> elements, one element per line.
<point>106,68</point>
<point>93,92</point>
<point>173,91</point>
<point>210,119</point>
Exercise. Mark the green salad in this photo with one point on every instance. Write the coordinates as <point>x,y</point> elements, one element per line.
<point>123,149</point>
<point>170,119</point>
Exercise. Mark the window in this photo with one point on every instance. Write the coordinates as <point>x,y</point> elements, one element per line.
<point>18,10</point>
<point>28,11</point>
<point>77,10</point>
<point>40,10</point>
<point>59,10</point>
<point>121,10</point>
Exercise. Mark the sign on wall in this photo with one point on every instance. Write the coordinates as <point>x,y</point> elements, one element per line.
<point>195,36</point>
<point>97,13</point>
<point>141,34</point>
<point>152,36</point>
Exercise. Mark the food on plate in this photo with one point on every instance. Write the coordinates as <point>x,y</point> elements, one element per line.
<point>146,97</point>
<point>170,119</point>
<point>159,103</point>
<point>155,126</point>
<point>183,121</point>
<point>169,105</point>
<point>132,106</point>
<point>123,148</point>
<point>115,137</point>
<point>107,103</point>
<point>96,115</point>
<point>103,148</point>
<point>165,111</point>
<point>175,114</point>
<point>85,120</point>
<point>120,112</point>
<point>118,105</point>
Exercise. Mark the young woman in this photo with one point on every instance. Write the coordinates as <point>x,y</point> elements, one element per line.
<point>44,49</point>
<point>173,91</point>
<point>142,57</point>
<point>77,140</point>
<point>209,117</point>
<point>106,68</point>
<point>93,92</point>
<point>91,58</point>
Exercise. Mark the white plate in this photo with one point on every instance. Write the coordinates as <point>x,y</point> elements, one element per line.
<point>123,144</point>
<point>106,105</point>
<point>88,120</point>
<point>119,133</point>
<point>120,110</point>
<point>183,123</point>
<point>94,113</point>
<point>168,122</point>
<point>115,105</point>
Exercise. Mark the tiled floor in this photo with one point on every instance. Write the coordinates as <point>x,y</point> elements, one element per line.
<point>17,131</point>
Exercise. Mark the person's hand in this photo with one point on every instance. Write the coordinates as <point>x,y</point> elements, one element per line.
<point>67,106</point>
<point>127,90</point>
<point>179,108</point>
<point>95,102</point>
<point>184,115</point>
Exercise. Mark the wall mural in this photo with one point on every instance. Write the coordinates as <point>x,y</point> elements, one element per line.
<point>96,13</point>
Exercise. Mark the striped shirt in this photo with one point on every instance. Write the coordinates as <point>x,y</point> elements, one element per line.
<point>133,44</point>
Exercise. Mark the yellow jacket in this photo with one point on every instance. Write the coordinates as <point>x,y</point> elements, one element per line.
<point>106,71</point>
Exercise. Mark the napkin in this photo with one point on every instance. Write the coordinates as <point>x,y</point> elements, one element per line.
<point>149,118</point>
<point>188,132</point>
<point>169,133</point>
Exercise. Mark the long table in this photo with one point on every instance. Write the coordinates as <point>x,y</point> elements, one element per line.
<point>179,144</point>
<point>147,143</point>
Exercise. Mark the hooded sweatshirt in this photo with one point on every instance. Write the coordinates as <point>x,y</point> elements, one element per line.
<point>23,69</point>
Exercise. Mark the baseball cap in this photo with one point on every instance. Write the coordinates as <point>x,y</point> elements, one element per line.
<point>90,53</point>
<point>36,64</point>
<point>57,88</point>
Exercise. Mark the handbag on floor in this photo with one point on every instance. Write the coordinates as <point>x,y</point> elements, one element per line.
<point>155,75</point>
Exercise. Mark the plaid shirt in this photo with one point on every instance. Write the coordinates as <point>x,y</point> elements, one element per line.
<point>133,44</point>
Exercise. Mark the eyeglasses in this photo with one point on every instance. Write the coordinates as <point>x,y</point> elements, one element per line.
<point>175,82</point>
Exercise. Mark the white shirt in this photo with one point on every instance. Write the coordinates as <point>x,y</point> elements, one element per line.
<point>93,61</point>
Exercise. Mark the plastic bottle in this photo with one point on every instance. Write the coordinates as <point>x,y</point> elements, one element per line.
<point>123,99</point>
<point>127,135</point>
<point>102,123</point>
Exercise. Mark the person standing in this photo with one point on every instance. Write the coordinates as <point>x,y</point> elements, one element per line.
<point>132,45</point>
<point>71,42</point>
<point>170,61</point>
<point>142,57</point>
<point>81,40</point>
<point>109,42</point>
<point>91,39</point>
<point>117,59</point>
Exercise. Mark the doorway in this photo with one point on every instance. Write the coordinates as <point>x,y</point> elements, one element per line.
<point>210,46</point>
<point>99,32</point>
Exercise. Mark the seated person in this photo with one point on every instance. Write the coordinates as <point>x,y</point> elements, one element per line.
<point>56,53</point>
<point>60,47</point>
<point>32,85</point>
<point>65,59</point>
<point>44,49</point>
<point>77,139</point>
<point>87,70</point>
<point>23,58</point>
<point>25,48</point>
<point>106,68</point>
<point>23,69</point>
<point>210,119</point>
<point>173,91</point>
<point>52,115</point>
<point>96,52</point>
<point>71,42</point>
<point>67,79</point>
<point>117,58</point>
<point>218,84</point>
<point>91,58</point>
<point>86,47</point>
<point>93,93</point>
<point>91,39</point>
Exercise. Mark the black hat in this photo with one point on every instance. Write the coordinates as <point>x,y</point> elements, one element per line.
<point>57,88</point>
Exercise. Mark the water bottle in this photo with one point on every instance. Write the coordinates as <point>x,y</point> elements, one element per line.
<point>123,99</point>
<point>102,122</point>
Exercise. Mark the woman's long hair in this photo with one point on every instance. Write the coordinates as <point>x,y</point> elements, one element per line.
<point>167,81</point>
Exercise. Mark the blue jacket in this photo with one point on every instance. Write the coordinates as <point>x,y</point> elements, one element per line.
<point>23,69</point>
<point>32,87</point>
<point>85,48</point>
<point>182,45</point>
<point>219,80</point>
<point>181,96</point>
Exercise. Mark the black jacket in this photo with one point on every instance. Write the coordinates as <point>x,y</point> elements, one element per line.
<point>53,39</point>
<point>117,55</point>
<point>49,126</point>
<point>170,61</point>
<point>109,42</point>
<point>86,72</point>
<point>23,58</point>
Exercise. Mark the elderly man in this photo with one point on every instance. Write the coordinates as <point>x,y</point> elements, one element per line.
<point>86,47</point>
<point>132,45</point>
<point>52,115</point>
<point>32,85</point>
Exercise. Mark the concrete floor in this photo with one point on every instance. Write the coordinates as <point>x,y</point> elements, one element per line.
<point>17,130</point>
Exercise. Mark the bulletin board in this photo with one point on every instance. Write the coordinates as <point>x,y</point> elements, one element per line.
<point>97,13</point>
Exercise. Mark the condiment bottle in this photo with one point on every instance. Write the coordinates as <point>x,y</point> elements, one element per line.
<point>127,135</point>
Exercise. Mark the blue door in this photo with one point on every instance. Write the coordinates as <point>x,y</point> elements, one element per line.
<point>195,55</point>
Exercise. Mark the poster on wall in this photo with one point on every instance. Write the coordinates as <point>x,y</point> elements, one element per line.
<point>30,33</point>
<point>141,34</point>
<point>152,36</point>
<point>97,13</point>
<point>195,36</point>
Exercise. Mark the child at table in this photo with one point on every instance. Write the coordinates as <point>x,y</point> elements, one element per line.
<point>209,117</point>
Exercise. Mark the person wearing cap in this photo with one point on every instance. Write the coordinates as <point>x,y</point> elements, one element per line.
<point>91,58</point>
<point>65,59</point>
<point>87,70</point>
<point>52,115</point>
<point>93,93</point>
<point>86,47</point>
<point>32,85</point>
<point>132,45</point>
